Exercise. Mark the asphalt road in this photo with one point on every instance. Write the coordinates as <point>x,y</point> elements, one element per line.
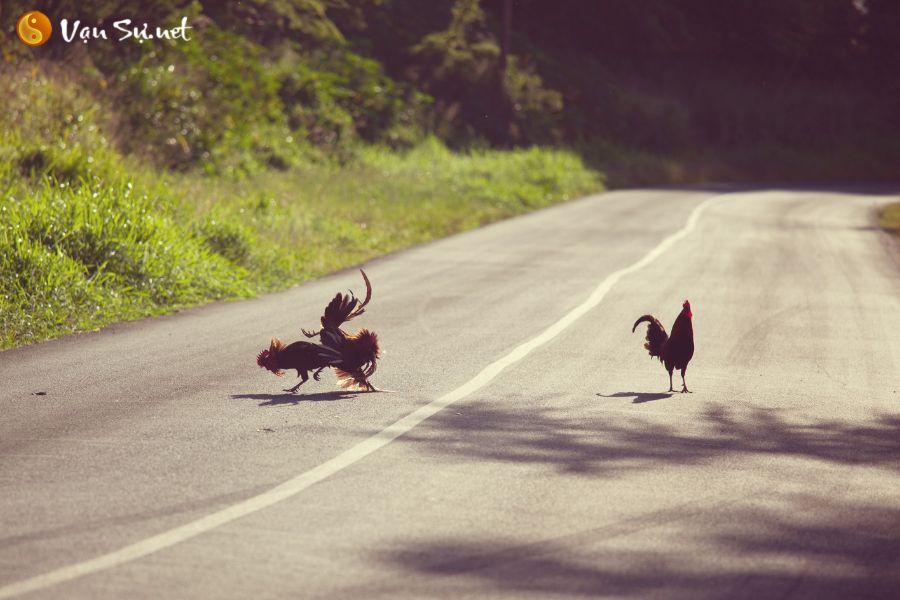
<point>163,463</point>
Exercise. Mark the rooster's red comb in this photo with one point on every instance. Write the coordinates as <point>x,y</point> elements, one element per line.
<point>261,358</point>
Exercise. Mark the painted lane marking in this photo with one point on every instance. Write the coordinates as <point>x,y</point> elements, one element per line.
<point>294,486</point>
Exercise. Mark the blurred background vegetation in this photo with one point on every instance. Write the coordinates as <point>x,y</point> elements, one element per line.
<point>293,137</point>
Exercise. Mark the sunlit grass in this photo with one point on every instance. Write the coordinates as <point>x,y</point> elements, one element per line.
<point>890,218</point>
<point>299,224</point>
<point>79,255</point>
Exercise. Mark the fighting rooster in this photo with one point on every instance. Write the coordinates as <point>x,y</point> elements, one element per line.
<point>302,356</point>
<point>359,351</point>
<point>674,351</point>
<point>352,355</point>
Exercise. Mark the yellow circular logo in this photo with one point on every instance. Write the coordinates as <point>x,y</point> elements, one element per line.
<point>34,28</point>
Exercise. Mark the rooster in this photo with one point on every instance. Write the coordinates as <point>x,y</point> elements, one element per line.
<point>359,351</point>
<point>302,356</point>
<point>674,351</point>
<point>352,355</point>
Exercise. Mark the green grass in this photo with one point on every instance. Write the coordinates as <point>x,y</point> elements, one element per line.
<point>290,226</point>
<point>79,255</point>
<point>890,218</point>
<point>75,257</point>
<point>89,237</point>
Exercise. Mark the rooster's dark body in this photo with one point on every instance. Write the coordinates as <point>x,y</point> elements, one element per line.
<point>302,356</point>
<point>674,350</point>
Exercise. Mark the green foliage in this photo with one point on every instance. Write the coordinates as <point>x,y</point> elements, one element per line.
<point>259,85</point>
<point>460,66</point>
<point>536,109</point>
<point>49,126</point>
<point>266,20</point>
<point>203,102</point>
<point>271,84</point>
<point>464,53</point>
<point>334,100</point>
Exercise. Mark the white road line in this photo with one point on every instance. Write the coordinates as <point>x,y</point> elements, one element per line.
<point>294,486</point>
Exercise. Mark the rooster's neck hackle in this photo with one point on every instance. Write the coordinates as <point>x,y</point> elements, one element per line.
<point>268,359</point>
<point>365,339</point>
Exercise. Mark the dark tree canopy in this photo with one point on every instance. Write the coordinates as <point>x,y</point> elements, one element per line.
<point>655,75</point>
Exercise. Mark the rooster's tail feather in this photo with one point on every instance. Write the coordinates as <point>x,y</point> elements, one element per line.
<point>355,381</point>
<point>656,335</point>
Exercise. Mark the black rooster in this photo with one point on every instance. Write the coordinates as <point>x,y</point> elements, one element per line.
<point>674,351</point>
<point>302,356</point>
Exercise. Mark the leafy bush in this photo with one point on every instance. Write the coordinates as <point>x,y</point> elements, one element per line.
<point>200,101</point>
<point>460,67</point>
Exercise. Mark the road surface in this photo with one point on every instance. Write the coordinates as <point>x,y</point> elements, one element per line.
<point>543,458</point>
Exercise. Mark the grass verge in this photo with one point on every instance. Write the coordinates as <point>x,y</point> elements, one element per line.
<point>89,236</point>
<point>84,244</point>
<point>290,226</point>
<point>890,218</point>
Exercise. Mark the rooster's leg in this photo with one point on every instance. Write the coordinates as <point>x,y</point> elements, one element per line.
<point>304,379</point>
<point>317,374</point>
<point>684,384</point>
<point>671,389</point>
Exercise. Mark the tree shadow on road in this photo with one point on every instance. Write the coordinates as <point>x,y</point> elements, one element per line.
<point>827,538</point>
<point>289,398</point>
<point>600,444</point>
<point>842,552</point>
